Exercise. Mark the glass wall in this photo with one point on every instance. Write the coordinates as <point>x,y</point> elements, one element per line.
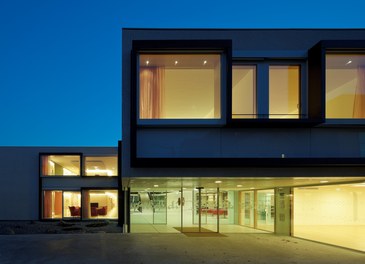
<point>101,166</point>
<point>247,211</point>
<point>284,84</point>
<point>100,204</point>
<point>345,85</point>
<point>243,91</point>
<point>265,213</point>
<point>60,165</point>
<point>179,86</point>
<point>333,214</point>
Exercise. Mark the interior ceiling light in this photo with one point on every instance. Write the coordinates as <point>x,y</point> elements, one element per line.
<point>239,185</point>
<point>205,62</point>
<point>349,62</point>
<point>252,188</point>
<point>323,181</point>
<point>156,185</point>
<point>176,62</point>
<point>147,62</point>
<point>218,181</point>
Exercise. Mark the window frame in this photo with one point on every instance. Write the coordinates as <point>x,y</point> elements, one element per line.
<point>221,47</point>
<point>84,156</point>
<point>85,189</point>
<point>42,154</point>
<point>317,79</point>
<point>263,92</point>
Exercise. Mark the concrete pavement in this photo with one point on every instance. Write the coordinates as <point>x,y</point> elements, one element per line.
<point>169,248</point>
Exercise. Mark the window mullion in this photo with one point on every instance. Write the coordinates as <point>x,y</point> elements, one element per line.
<point>262,90</point>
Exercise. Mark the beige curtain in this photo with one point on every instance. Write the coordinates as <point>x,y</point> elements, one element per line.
<point>359,102</point>
<point>151,87</point>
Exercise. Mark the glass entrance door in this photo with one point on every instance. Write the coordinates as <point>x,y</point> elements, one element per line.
<point>200,210</point>
<point>148,207</point>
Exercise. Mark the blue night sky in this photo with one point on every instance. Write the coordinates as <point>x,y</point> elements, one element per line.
<point>60,60</point>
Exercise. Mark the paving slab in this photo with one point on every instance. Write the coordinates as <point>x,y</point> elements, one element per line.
<point>170,248</point>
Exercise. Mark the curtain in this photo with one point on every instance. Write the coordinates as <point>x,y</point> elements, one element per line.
<point>359,101</point>
<point>47,204</point>
<point>151,87</point>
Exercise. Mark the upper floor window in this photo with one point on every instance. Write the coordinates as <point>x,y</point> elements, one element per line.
<point>179,86</point>
<point>60,165</point>
<point>345,85</point>
<point>101,166</point>
<point>266,90</point>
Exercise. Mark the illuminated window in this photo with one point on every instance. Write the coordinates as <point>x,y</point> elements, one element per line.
<point>60,165</point>
<point>52,204</point>
<point>284,86</point>
<point>179,86</point>
<point>100,204</point>
<point>101,166</point>
<point>275,94</point>
<point>345,85</point>
<point>243,91</point>
<point>71,204</point>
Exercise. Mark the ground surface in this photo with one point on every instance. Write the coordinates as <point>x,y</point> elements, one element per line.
<point>58,227</point>
<point>169,248</point>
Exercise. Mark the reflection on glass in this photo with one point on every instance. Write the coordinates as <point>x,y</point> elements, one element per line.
<point>247,208</point>
<point>265,210</point>
<point>243,91</point>
<point>179,86</point>
<point>101,166</point>
<point>284,91</point>
<point>345,86</point>
<point>52,204</point>
<point>100,204</point>
<point>61,165</point>
<point>71,204</point>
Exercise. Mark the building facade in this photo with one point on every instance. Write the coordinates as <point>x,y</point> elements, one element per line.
<point>244,129</point>
<point>60,183</point>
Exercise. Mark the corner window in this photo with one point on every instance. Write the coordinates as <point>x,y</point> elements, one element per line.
<point>101,166</point>
<point>179,86</point>
<point>60,165</point>
<point>266,90</point>
<point>345,85</point>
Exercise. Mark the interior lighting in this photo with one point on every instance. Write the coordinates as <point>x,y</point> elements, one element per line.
<point>147,62</point>
<point>176,62</point>
<point>239,185</point>
<point>323,181</point>
<point>99,171</point>
<point>156,185</point>
<point>252,188</point>
<point>349,62</point>
<point>218,181</point>
<point>205,62</point>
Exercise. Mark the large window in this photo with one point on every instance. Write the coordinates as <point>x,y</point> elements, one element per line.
<point>61,204</point>
<point>266,90</point>
<point>60,165</point>
<point>101,166</point>
<point>179,86</point>
<point>345,85</point>
<point>100,204</point>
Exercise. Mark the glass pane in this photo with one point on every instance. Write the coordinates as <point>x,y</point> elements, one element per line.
<point>71,204</point>
<point>265,210</point>
<point>52,204</point>
<point>345,86</point>
<point>61,165</point>
<point>243,91</point>
<point>247,208</point>
<point>332,214</point>
<point>284,83</point>
<point>101,166</point>
<point>100,204</point>
<point>159,207</point>
<point>179,86</point>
